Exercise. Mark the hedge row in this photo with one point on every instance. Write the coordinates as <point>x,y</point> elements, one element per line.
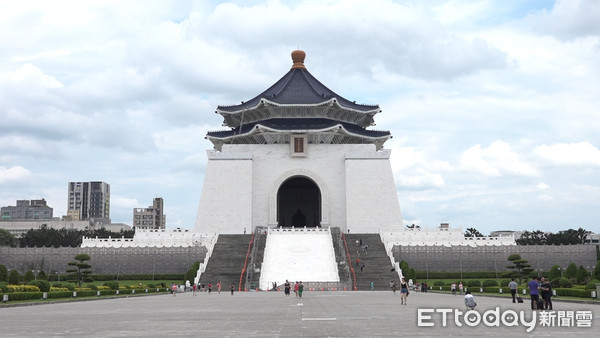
<point>69,294</point>
<point>496,289</point>
<point>147,276</point>
<point>454,275</point>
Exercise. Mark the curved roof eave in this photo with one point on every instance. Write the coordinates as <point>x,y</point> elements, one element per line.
<point>333,101</point>
<point>258,128</point>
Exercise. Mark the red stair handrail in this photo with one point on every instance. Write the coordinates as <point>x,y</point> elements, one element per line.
<point>349,261</point>
<point>245,262</point>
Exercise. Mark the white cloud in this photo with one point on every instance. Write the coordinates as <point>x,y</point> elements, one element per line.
<point>495,161</point>
<point>570,154</point>
<point>570,19</point>
<point>14,175</point>
<point>542,186</point>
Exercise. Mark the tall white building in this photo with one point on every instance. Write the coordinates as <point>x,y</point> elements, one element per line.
<point>298,154</point>
<point>89,200</point>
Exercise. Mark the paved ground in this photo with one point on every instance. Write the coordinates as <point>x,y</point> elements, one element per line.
<point>269,314</point>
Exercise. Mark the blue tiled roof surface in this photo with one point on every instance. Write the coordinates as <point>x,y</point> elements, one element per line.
<point>298,86</point>
<point>299,124</point>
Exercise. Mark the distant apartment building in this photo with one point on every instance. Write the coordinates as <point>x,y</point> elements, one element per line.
<point>27,210</point>
<point>89,201</point>
<point>152,217</point>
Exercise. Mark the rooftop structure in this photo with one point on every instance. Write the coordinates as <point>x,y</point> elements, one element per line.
<point>27,210</point>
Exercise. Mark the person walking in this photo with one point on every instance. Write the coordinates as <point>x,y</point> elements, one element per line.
<point>300,289</point>
<point>403,292</point>
<point>394,287</point>
<point>513,289</point>
<point>219,287</point>
<point>460,288</point>
<point>174,289</point>
<point>287,288</point>
<point>209,287</point>
<point>372,286</point>
<point>232,288</point>
<point>194,289</point>
<point>453,288</point>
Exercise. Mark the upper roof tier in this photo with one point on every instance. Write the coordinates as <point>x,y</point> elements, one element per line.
<point>298,89</point>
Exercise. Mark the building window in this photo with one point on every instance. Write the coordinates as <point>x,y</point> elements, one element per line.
<point>298,145</point>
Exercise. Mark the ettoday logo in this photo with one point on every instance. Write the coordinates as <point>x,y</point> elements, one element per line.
<point>509,318</point>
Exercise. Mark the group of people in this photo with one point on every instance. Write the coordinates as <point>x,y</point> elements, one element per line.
<point>202,288</point>
<point>541,288</point>
<point>298,288</point>
<point>460,288</point>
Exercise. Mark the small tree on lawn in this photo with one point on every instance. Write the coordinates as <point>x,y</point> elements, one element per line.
<point>28,277</point>
<point>520,268</point>
<point>596,273</point>
<point>554,272</point>
<point>582,275</point>
<point>81,271</point>
<point>3,273</point>
<point>14,277</point>
<point>571,272</point>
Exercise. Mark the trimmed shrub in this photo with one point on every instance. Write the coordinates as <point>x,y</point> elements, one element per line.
<point>70,286</point>
<point>56,289</point>
<point>92,287</point>
<point>151,286</point>
<point>3,273</point>
<point>490,282</point>
<point>564,283</point>
<point>474,283</point>
<point>3,287</point>
<point>439,283</point>
<point>592,284</point>
<point>28,277</point>
<point>14,278</point>
<point>102,287</point>
<point>60,294</point>
<point>567,292</point>
<point>43,285</point>
<point>450,275</point>
<point>23,288</point>
<point>504,282</point>
<point>113,285</point>
<point>25,295</point>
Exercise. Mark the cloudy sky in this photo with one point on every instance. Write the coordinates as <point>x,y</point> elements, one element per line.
<point>494,105</point>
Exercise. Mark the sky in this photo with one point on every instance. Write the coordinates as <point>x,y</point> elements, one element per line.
<point>494,106</point>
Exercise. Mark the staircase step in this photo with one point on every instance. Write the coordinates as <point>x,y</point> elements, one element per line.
<point>377,262</point>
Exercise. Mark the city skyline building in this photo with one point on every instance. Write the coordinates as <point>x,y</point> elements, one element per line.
<point>152,217</point>
<point>89,201</point>
<point>27,210</point>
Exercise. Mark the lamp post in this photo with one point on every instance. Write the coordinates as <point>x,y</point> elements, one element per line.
<point>561,272</point>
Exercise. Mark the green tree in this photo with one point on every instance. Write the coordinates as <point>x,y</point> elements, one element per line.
<point>404,268</point>
<point>14,277</point>
<point>596,273</point>
<point>536,237</point>
<point>81,270</point>
<point>582,275</point>
<point>571,272</point>
<point>192,272</point>
<point>554,272</point>
<point>520,267</point>
<point>7,239</point>
<point>42,275</point>
<point>472,232</point>
<point>28,277</point>
<point>3,273</point>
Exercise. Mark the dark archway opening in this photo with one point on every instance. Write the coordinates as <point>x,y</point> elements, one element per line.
<point>298,203</point>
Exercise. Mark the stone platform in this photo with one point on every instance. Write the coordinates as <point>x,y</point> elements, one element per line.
<point>270,314</point>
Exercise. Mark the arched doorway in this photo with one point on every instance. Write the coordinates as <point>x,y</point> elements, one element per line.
<point>298,203</point>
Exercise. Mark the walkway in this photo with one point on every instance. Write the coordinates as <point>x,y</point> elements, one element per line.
<point>270,314</point>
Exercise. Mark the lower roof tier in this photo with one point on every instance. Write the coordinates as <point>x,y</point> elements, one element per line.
<point>317,130</point>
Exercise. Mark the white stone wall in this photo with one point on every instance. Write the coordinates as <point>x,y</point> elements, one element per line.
<point>371,198</point>
<point>226,200</point>
<point>241,184</point>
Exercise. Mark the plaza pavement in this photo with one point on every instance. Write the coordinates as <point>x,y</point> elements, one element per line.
<point>270,314</point>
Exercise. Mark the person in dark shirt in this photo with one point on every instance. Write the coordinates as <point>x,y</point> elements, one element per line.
<point>533,292</point>
<point>546,293</point>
